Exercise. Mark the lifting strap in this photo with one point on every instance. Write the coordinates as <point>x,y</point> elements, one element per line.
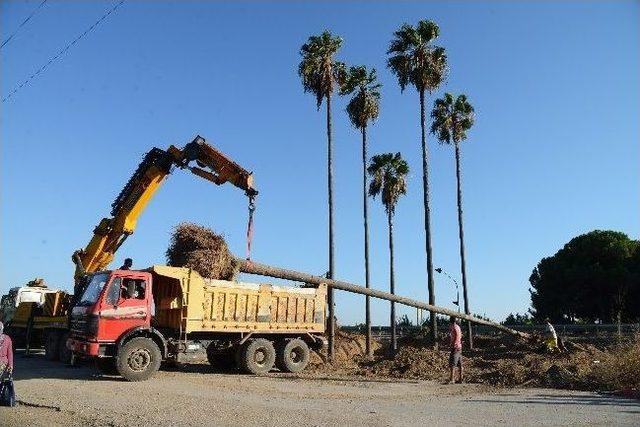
<point>252,208</point>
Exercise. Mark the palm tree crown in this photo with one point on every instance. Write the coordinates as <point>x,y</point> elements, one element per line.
<point>414,59</point>
<point>365,104</point>
<point>389,177</point>
<point>319,71</point>
<point>452,118</point>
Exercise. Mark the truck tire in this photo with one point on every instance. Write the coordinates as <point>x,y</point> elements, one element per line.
<point>292,355</point>
<point>257,356</point>
<point>138,359</point>
<point>106,365</point>
<point>64,354</point>
<point>51,346</point>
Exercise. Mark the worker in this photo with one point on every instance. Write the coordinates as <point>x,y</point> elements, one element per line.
<point>6,353</point>
<point>128,262</point>
<point>455,356</point>
<point>550,336</point>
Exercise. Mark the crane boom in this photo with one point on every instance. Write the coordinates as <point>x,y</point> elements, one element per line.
<point>111,232</point>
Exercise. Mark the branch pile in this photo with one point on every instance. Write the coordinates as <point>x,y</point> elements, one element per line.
<point>202,250</point>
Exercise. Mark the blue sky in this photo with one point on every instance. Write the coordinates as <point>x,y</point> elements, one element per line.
<point>554,152</point>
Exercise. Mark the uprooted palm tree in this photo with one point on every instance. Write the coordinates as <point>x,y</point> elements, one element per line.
<point>416,61</point>
<point>452,118</point>
<point>321,74</point>
<point>363,108</point>
<point>389,179</point>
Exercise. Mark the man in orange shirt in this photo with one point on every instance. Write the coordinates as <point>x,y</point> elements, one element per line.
<point>455,341</point>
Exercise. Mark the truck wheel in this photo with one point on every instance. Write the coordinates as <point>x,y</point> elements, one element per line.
<point>292,355</point>
<point>51,346</point>
<point>138,359</point>
<point>64,354</point>
<point>106,365</point>
<point>257,356</point>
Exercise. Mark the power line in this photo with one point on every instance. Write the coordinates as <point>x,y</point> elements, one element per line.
<point>62,51</point>
<point>8,39</point>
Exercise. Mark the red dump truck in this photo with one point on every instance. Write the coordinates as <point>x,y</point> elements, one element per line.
<point>130,321</point>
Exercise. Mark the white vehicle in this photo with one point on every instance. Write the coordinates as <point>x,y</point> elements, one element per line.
<point>34,291</point>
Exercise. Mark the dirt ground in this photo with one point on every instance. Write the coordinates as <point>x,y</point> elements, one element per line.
<point>52,394</point>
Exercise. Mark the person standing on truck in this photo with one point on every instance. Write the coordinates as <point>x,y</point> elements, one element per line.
<point>128,262</point>
<point>6,352</point>
<point>455,356</point>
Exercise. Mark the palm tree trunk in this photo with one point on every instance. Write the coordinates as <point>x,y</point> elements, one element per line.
<point>427,223</point>
<point>392,286</point>
<point>366,240</point>
<point>463,266</point>
<point>330,294</point>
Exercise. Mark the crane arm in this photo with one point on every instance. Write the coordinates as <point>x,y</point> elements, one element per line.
<point>157,164</point>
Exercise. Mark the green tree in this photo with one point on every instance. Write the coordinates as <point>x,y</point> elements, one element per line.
<point>321,74</point>
<point>389,179</point>
<point>452,118</point>
<point>416,61</point>
<point>517,319</point>
<point>593,277</point>
<point>363,108</point>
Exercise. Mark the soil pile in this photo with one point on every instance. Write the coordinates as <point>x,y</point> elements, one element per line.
<point>350,352</point>
<point>201,249</point>
<point>499,361</point>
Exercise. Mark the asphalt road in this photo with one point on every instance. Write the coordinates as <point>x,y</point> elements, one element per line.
<point>52,394</point>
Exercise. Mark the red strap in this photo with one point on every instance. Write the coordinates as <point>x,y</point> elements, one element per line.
<point>252,208</point>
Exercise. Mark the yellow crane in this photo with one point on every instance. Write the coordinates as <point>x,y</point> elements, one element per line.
<point>198,157</point>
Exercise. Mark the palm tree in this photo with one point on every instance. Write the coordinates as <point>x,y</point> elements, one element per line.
<point>363,108</point>
<point>389,178</point>
<point>452,118</point>
<point>416,61</point>
<point>321,74</point>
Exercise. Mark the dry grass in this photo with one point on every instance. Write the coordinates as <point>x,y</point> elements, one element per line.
<point>201,249</point>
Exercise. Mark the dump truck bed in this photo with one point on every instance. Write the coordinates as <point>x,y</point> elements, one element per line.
<point>187,302</point>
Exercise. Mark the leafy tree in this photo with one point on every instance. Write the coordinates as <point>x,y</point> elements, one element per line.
<point>416,61</point>
<point>363,108</point>
<point>321,74</point>
<point>452,118</point>
<point>593,277</point>
<point>517,319</point>
<point>389,179</point>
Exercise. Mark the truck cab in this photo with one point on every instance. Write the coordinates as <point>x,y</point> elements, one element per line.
<point>113,304</point>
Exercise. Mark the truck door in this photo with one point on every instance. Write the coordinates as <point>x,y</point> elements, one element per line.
<point>125,305</point>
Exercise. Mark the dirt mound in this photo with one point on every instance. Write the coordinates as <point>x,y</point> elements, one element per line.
<point>201,249</point>
<point>350,352</point>
<point>499,361</point>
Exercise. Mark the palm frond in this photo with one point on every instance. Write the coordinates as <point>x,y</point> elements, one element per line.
<point>413,58</point>
<point>318,70</point>
<point>389,174</point>
<point>364,106</point>
<point>452,118</point>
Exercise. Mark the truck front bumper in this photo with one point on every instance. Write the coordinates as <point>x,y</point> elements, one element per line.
<point>85,348</point>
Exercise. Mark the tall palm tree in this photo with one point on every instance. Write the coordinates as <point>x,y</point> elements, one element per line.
<point>452,118</point>
<point>416,61</point>
<point>321,74</point>
<point>363,108</point>
<point>389,178</point>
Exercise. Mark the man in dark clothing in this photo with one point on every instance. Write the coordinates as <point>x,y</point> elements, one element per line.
<point>128,262</point>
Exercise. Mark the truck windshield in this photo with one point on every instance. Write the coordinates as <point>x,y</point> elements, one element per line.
<point>92,292</point>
